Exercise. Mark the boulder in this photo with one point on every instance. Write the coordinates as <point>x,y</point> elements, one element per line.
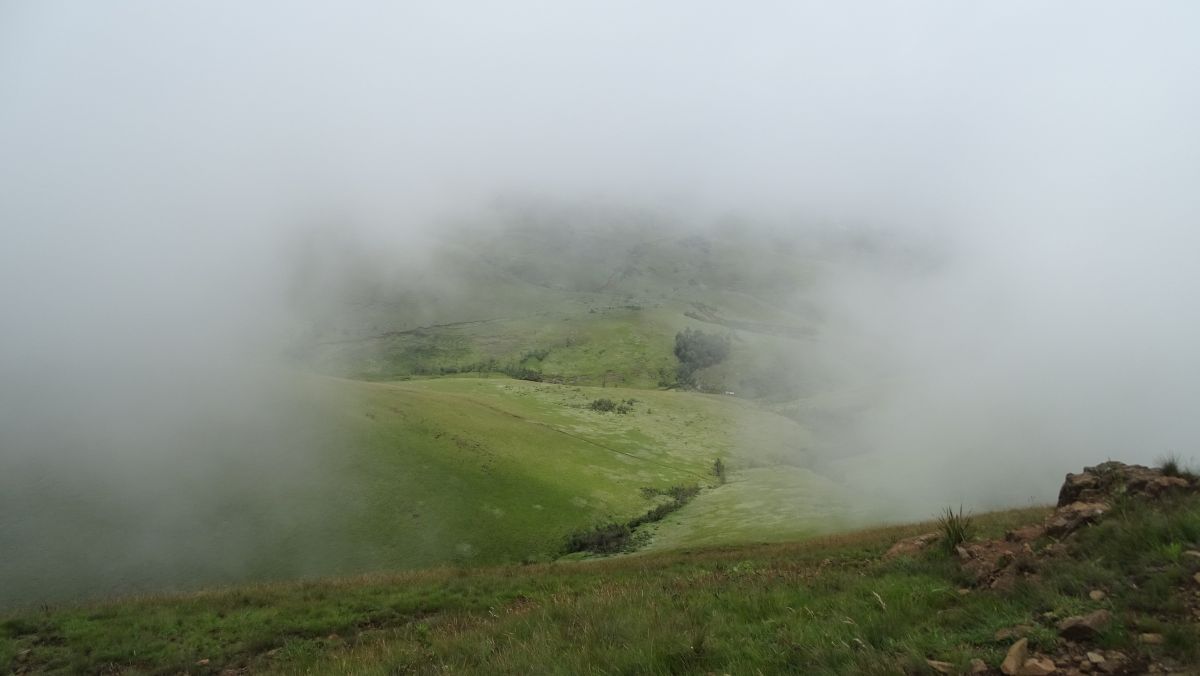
<point>1085,627</point>
<point>1015,659</point>
<point>1071,517</point>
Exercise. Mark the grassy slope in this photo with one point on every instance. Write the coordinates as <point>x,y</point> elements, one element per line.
<point>822,606</point>
<point>449,470</point>
<point>600,305</point>
<point>590,466</point>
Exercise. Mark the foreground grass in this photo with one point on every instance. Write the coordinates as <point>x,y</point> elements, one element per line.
<point>824,606</point>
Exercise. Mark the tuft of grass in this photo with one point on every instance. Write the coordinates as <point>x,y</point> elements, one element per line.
<point>1172,465</point>
<point>1169,464</point>
<point>957,528</point>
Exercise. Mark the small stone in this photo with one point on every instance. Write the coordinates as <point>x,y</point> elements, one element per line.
<point>978,666</point>
<point>201,663</point>
<point>964,591</point>
<point>1151,639</point>
<point>1015,658</point>
<point>1192,553</point>
<point>1086,627</point>
<point>1038,666</point>
<point>1113,662</point>
<point>1097,595</point>
<point>941,667</point>
<point>1095,658</point>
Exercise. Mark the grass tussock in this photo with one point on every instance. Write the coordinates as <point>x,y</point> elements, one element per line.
<point>957,528</point>
<point>1172,465</point>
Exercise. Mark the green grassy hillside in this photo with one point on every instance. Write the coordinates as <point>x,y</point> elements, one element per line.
<point>826,606</point>
<point>458,470</point>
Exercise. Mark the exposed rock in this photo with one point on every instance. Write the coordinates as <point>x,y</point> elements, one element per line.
<point>1015,659</point>
<point>1099,483</point>
<point>1086,627</point>
<point>912,545</point>
<point>1038,666</point>
<point>942,667</point>
<point>1096,595</point>
<point>1192,553</point>
<point>1071,517</point>
<point>1095,658</point>
<point>978,666</point>
<point>1114,662</point>
<point>1151,639</point>
<point>1026,534</point>
<point>1076,486</point>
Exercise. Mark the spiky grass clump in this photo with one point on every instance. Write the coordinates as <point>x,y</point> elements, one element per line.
<point>1169,464</point>
<point>1172,465</point>
<point>957,528</point>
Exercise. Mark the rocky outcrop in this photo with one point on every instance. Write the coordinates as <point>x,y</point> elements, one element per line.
<point>1101,483</point>
<point>1083,500</point>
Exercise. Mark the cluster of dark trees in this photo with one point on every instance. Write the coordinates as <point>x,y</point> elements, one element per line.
<point>695,350</point>
<point>614,537</point>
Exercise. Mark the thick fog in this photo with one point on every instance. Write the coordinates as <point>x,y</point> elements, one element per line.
<point>162,164</point>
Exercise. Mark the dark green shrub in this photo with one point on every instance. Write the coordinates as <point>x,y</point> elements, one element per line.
<point>604,405</point>
<point>718,470</point>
